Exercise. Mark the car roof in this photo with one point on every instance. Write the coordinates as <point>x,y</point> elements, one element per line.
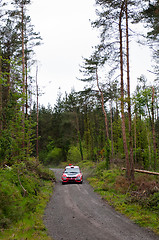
<point>71,166</point>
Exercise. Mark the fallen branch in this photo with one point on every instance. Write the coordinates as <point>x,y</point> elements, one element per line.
<point>144,171</point>
<point>24,190</point>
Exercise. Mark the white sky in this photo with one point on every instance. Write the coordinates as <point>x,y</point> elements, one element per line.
<point>67,36</point>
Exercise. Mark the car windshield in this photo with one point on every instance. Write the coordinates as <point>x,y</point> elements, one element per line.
<point>72,170</point>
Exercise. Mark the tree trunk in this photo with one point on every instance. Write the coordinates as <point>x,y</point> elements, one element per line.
<point>5,87</point>
<point>107,147</point>
<point>0,90</point>
<point>122,96</point>
<point>102,101</point>
<point>79,135</point>
<point>135,135</point>
<point>153,129</point>
<point>144,171</point>
<point>111,122</point>
<point>37,126</point>
<point>23,74</point>
<point>23,56</point>
<point>149,147</point>
<point>26,87</point>
<point>128,92</point>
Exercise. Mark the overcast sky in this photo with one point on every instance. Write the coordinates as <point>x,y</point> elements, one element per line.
<point>67,36</point>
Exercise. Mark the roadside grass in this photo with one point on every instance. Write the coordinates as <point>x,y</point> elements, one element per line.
<point>22,213</point>
<point>31,226</point>
<point>139,200</point>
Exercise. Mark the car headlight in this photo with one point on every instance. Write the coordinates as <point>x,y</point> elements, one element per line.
<point>78,178</point>
<point>64,178</point>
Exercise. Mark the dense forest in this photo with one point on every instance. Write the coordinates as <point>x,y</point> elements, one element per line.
<point>105,121</point>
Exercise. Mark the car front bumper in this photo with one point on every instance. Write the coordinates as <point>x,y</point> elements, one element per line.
<point>71,180</point>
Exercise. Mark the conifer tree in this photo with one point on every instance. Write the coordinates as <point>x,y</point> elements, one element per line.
<point>17,40</point>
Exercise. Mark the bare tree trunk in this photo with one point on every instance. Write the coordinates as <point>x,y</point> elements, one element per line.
<point>102,101</point>
<point>122,96</point>
<point>23,74</point>
<point>8,68</point>
<point>107,146</point>
<point>128,92</point>
<point>157,109</point>
<point>37,129</point>
<point>145,172</point>
<point>79,136</point>
<point>6,89</point>
<point>135,136</point>
<point>111,121</point>
<point>26,87</point>
<point>23,57</point>
<point>26,72</point>
<point>153,129</point>
<point>149,147</point>
<point>0,90</point>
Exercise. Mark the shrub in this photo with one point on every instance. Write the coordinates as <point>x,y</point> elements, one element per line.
<point>43,156</point>
<point>54,157</point>
<point>100,168</point>
<point>154,201</point>
<point>15,202</point>
<point>74,155</point>
<point>45,173</point>
<point>10,199</point>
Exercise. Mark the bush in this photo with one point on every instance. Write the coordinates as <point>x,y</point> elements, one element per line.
<point>74,155</point>
<point>45,173</point>
<point>10,199</point>
<point>54,157</point>
<point>15,202</point>
<point>154,202</point>
<point>100,168</point>
<point>43,156</point>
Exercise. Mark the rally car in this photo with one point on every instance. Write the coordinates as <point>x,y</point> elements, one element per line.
<point>72,174</point>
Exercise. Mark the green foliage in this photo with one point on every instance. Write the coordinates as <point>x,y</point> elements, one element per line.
<point>20,186</point>
<point>117,136</point>
<point>12,139</point>
<point>153,202</point>
<point>107,153</point>
<point>9,193</point>
<point>31,225</point>
<point>54,157</point>
<point>50,145</point>
<point>77,120</point>
<point>100,169</point>
<point>74,155</point>
<point>142,155</point>
<point>43,156</point>
<point>35,166</point>
<point>86,165</point>
<point>150,15</point>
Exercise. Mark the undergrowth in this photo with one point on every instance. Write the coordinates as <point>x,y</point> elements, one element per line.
<point>25,189</point>
<point>139,200</point>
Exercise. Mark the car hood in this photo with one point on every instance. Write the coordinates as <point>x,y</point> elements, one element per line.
<point>71,174</point>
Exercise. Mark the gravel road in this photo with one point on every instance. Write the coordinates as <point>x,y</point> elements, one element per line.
<point>75,211</point>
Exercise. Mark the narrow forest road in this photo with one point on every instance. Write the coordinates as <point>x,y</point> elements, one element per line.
<point>75,211</point>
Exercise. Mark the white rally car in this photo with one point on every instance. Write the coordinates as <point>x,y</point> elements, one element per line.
<point>72,174</point>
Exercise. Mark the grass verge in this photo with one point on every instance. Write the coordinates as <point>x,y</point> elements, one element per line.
<point>138,200</point>
<point>22,211</point>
